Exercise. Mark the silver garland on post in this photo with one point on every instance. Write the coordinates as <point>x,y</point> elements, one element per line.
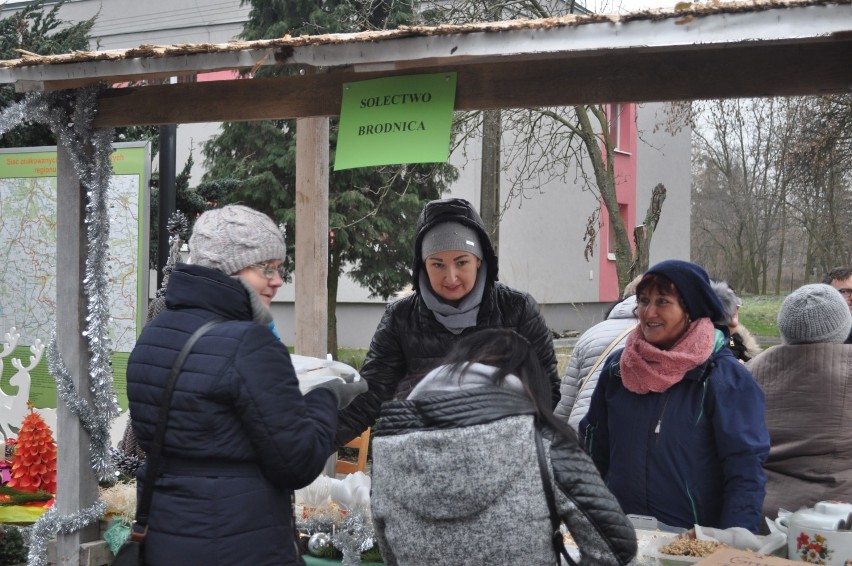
<point>52,523</point>
<point>70,115</point>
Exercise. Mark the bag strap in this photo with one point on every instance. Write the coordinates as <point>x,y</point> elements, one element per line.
<point>556,538</point>
<point>140,525</point>
<point>603,356</point>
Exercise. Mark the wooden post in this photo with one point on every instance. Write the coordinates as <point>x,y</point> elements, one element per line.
<point>77,487</point>
<point>312,243</point>
<point>311,237</point>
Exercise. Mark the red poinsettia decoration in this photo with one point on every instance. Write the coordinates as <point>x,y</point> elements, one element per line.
<point>34,467</point>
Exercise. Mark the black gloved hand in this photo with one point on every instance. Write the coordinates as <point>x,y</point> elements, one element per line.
<point>345,391</point>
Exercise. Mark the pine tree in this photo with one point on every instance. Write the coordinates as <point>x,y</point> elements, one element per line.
<point>372,210</point>
<point>33,30</point>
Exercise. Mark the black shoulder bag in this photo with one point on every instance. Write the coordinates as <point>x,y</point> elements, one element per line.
<point>556,537</point>
<point>131,552</point>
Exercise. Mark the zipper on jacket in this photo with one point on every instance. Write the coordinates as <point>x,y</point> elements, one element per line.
<point>662,412</point>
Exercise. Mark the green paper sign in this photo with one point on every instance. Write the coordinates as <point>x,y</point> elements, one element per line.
<point>396,120</point>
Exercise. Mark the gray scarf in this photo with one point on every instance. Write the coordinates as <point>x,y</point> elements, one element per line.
<point>455,319</point>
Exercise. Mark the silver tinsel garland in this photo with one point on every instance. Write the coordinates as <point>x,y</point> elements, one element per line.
<point>70,115</point>
<point>52,523</point>
<point>353,536</point>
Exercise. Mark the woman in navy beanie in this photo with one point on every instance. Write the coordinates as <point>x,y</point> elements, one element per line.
<point>676,424</point>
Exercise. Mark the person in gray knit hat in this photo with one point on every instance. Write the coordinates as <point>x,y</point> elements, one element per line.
<point>241,436</point>
<point>806,383</point>
<point>455,293</point>
<point>234,237</point>
<point>814,313</point>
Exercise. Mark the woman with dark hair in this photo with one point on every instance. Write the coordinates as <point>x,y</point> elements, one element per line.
<point>459,467</point>
<point>676,424</point>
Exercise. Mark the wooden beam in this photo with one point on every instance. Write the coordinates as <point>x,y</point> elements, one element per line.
<point>632,75</point>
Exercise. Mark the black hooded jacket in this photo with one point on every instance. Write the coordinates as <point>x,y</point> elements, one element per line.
<point>409,341</point>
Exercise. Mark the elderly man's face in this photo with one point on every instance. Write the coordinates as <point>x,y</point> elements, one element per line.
<point>845,288</point>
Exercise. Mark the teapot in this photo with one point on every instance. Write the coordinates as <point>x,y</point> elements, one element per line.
<point>820,534</point>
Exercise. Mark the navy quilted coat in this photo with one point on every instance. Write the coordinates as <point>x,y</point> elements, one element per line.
<point>691,455</point>
<point>240,435</point>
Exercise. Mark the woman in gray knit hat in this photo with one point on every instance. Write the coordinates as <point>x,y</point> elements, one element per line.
<point>808,400</point>
<point>456,292</point>
<point>240,436</point>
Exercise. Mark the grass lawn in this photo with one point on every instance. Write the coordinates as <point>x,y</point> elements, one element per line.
<point>758,314</point>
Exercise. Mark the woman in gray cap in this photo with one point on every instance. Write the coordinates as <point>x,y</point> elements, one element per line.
<point>455,293</point>
<point>240,436</point>
<point>808,400</point>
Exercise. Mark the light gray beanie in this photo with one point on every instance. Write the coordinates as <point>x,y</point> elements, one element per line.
<point>450,236</point>
<point>813,314</point>
<point>234,237</point>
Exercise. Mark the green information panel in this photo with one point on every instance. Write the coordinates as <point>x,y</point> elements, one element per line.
<point>396,120</point>
<point>28,210</point>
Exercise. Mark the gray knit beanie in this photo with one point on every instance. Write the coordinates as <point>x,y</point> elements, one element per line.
<point>234,237</point>
<point>450,236</point>
<point>813,314</point>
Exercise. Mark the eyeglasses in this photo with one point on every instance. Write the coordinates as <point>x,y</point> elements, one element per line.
<point>269,271</point>
<point>846,292</point>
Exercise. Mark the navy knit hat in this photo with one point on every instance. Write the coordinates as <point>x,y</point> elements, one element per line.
<point>693,286</point>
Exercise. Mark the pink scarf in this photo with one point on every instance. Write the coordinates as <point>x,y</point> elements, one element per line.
<point>646,368</point>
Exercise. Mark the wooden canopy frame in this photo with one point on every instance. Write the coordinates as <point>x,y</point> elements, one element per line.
<point>749,49</point>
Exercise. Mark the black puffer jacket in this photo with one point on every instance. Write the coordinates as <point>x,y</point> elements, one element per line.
<point>456,480</point>
<point>240,435</point>
<point>409,341</point>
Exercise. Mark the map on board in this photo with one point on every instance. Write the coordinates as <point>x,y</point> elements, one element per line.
<point>28,258</point>
<point>28,189</point>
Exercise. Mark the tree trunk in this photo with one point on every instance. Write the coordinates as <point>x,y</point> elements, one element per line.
<point>642,234</point>
<point>333,283</point>
<point>490,184</point>
<point>605,179</point>
<point>783,238</point>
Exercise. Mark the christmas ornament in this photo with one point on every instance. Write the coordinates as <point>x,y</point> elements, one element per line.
<point>319,543</point>
<point>34,467</point>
